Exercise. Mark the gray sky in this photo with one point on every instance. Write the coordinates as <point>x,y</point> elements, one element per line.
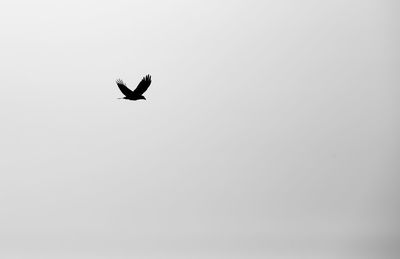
<point>270,126</point>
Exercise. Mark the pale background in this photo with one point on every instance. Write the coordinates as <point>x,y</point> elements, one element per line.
<point>270,128</point>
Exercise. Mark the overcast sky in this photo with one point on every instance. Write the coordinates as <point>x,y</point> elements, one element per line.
<point>270,127</point>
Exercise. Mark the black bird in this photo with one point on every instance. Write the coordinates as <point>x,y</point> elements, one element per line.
<point>136,94</point>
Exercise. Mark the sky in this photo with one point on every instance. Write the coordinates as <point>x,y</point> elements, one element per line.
<point>270,128</point>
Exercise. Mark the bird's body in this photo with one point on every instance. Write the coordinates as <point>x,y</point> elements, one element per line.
<point>133,98</point>
<point>136,94</point>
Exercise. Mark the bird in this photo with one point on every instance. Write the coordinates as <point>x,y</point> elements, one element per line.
<point>136,94</point>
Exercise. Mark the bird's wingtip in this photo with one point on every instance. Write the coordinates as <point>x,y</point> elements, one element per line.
<point>119,81</point>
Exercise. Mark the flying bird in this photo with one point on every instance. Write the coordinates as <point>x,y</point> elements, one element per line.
<point>136,94</point>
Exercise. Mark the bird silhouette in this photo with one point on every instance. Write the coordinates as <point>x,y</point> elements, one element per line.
<point>136,94</point>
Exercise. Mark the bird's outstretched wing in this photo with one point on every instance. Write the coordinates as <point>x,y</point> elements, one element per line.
<point>125,90</point>
<point>143,85</point>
